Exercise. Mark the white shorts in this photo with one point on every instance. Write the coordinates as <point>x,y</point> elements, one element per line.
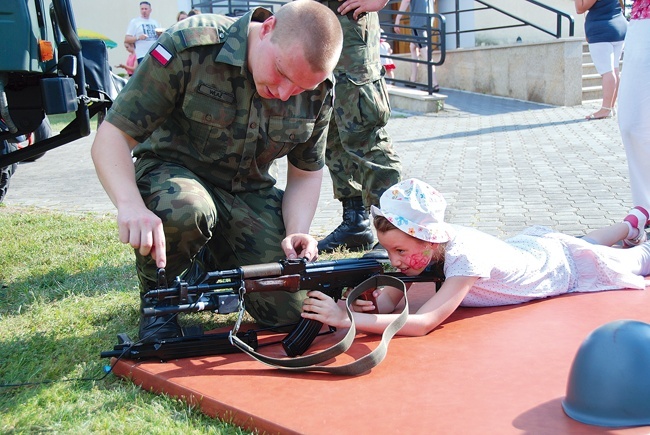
<point>606,55</point>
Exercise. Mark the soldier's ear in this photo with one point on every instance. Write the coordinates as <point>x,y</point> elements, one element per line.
<point>267,27</point>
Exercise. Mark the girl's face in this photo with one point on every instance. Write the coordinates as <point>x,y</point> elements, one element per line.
<point>410,255</point>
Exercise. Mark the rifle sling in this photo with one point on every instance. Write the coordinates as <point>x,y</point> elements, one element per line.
<point>309,363</point>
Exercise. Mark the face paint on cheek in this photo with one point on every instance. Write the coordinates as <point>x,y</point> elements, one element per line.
<point>419,261</point>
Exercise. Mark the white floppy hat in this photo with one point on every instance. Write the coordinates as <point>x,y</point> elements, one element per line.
<point>417,209</point>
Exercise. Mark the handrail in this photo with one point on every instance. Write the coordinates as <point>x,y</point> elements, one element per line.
<point>434,42</point>
<point>437,42</point>
<point>521,21</point>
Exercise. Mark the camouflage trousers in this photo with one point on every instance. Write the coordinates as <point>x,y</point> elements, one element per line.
<point>360,154</point>
<point>236,229</point>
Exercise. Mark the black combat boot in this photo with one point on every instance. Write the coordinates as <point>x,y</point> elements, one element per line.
<point>157,328</point>
<point>377,252</point>
<point>354,232</point>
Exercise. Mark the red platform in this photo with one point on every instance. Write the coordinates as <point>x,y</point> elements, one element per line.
<point>485,370</point>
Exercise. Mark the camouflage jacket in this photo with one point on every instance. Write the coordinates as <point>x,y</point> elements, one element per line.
<point>193,101</point>
<point>360,60</point>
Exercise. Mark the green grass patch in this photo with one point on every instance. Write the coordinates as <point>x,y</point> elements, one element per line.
<point>58,122</point>
<point>67,287</point>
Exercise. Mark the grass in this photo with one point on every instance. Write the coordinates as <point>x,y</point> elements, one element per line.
<point>58,122</point>
<point>67,287</point>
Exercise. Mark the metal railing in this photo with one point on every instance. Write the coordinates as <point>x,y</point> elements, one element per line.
<point>517,21</point>
<point>431,40</point>
<point>437,30</point>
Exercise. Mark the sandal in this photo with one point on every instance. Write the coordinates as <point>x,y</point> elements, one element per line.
<point>593,116</point>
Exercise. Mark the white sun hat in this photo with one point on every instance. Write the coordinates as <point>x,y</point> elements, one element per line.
<point>417,209</point>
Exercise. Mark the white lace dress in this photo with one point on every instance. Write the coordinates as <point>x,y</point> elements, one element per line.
<point>535,264</point>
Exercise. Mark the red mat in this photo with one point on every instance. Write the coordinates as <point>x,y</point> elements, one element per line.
<point>494,370</point>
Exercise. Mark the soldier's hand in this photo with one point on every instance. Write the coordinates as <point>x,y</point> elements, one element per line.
<point>300,245</point>
<point>361,6</point>
<point>143,230</point>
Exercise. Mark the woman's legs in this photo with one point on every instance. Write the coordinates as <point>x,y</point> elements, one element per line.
<point>415,54</point>
<point>606,58</point>
<point>634,109</point>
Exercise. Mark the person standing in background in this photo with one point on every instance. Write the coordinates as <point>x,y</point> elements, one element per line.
<point>142,31</point>
<point>386,50</point>
<point>131,60</point>
<point>605,27</point>
<point>419,24</point>
<point>359,155</point>
<point>634,102</point>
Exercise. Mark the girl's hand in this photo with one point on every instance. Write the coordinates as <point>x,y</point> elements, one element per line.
<point>363,306</point>
<point>322,308</point>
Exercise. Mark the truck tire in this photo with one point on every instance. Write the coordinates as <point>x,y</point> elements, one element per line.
<point>7,171</point>
<point>44,131</point>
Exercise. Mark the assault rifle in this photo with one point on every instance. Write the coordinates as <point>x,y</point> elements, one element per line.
<point>223,292</point>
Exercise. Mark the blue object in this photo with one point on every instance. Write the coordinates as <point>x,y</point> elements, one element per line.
<point>609,381</point>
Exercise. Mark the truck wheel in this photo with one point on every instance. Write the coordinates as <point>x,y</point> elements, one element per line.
<point>7,171</point>
<point>44,131</point>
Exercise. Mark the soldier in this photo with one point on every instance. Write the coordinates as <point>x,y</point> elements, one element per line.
<point>360,155</point>
<point>213,105</point>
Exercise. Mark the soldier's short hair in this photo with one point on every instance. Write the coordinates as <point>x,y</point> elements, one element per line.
<point>315,27</point>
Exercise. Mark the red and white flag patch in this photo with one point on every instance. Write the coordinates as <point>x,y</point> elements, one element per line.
<point>161,54</point>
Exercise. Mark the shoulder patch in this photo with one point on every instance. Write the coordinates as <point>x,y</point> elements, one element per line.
<point>197,36</point>
<point>161,54</point>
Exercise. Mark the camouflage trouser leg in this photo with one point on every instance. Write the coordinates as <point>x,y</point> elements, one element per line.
<point>237,229</point>
<point>360,154</point>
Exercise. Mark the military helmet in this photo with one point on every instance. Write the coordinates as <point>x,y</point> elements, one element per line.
<point>609,381</point>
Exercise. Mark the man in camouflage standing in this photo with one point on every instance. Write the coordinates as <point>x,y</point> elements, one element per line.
<point>215,102</point>
<point>360,155</point>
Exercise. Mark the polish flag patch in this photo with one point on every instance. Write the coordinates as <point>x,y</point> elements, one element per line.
<point>161,54</point>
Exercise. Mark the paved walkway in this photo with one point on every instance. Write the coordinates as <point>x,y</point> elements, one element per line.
<point>502,165</point>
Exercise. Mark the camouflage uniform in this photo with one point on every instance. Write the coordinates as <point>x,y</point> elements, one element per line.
<point>360,154</point>
<point>206,161</point>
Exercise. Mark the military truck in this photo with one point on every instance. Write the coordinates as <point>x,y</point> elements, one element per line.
<point>45,69</point>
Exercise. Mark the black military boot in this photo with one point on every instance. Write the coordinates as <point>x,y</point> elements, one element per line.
<point>354,232</point>
<point>157,328</point>
<point>377,252</point>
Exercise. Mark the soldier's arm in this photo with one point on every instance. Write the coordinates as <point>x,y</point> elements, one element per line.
<point>137,225</point>
<point>298,210</point>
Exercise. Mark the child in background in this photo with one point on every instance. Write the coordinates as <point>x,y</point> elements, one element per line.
<point>386,50</point>
<point>481,270</point>
<point>131,61</point>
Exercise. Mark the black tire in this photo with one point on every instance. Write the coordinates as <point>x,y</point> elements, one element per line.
<point>44,131</point>
<point>8,171</point>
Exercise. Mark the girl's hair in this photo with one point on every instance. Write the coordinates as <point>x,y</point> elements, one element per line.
<point>383,225</point>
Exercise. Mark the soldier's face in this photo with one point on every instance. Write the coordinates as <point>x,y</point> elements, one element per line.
<point>281,72</point>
